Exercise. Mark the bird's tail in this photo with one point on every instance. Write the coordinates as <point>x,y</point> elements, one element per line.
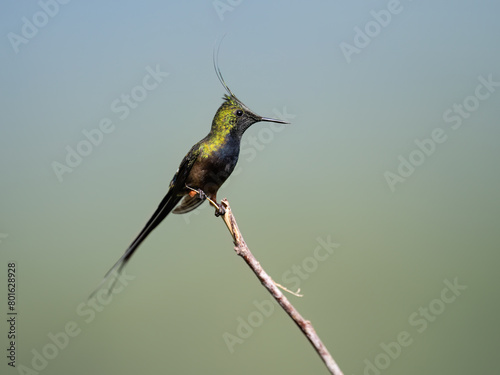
<point>165,207</point>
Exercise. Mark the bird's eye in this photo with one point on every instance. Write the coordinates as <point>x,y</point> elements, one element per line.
<point>239,112</point>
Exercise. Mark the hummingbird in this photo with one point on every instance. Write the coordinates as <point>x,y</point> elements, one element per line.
<point>204,169</point>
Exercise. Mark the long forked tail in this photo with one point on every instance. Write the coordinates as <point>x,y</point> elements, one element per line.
<point>165,207</point>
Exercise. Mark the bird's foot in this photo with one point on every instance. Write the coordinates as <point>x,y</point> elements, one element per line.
<point>201,194</point>
<point>220,211</point>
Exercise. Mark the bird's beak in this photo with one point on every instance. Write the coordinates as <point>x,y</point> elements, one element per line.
<point>267,119</point>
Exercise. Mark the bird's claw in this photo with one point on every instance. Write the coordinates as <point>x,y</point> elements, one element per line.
<point>202,194</point>
<point>220,211</point>
<point>193,192</point>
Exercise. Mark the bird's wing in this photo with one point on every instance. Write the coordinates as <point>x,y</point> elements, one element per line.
<point>174,195</point>
<point>188,203</point>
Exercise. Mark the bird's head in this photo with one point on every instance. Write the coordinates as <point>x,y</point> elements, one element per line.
<point>233,115</point>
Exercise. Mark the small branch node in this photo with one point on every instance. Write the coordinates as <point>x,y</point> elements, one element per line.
<point>296,294</point>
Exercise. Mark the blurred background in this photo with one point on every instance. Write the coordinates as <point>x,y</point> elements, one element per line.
<point>380,200</point>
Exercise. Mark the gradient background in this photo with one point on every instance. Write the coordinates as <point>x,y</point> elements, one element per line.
<point>323,176</point>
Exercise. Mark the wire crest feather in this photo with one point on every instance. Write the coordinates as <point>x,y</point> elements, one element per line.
<point>231,96</point>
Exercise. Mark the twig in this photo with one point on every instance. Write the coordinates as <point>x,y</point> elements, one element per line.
<point>305,326</point>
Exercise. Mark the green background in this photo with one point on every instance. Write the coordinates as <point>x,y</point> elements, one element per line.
<point>321,177</point>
